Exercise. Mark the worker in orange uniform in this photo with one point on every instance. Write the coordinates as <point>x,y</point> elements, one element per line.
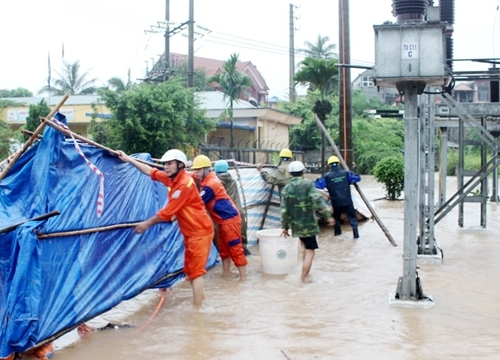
<point>224,213</point>
<point>184,202</point>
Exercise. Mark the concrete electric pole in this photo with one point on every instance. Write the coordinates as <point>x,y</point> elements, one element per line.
<point>292,57</point>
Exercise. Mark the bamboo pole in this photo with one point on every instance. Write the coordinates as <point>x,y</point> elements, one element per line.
<point>344,165</point>
<point>242,189</point>
<point>33,137</point>
<point>93,143</point>
<point>38,218</point>
<point>85,231</point>
<point>29,133</point>
<point>264,216</point>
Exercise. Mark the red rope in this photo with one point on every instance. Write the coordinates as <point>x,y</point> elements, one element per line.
<point>155,312</point>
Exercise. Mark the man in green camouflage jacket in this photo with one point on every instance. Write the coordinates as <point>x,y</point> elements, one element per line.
<point>281,176</point>
<point>299,202</point>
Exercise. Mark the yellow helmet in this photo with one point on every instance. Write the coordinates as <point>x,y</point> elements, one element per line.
<point>333,159</point>
<point>200,162</point>
<point>285,153</point>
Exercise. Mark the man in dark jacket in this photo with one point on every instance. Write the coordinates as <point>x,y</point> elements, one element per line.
<point>338,184</point>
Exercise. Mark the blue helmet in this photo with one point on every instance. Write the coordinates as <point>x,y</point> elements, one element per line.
<point>221,166</point>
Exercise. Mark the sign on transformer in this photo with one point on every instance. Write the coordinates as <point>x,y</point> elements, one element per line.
<point>410,52</point>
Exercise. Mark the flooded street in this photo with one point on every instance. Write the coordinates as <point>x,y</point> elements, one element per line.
<point>343,313</point>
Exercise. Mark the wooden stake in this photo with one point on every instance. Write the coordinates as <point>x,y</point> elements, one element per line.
<point>33,137</point>
<point>344,165</point>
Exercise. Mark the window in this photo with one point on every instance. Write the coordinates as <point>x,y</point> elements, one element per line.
<point>483,93</point>
<point>366,82</point>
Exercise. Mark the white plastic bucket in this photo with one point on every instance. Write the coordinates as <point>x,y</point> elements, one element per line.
<point>278,255</point>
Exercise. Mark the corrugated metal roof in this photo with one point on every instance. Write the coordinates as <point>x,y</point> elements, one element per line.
<point>54,100</point>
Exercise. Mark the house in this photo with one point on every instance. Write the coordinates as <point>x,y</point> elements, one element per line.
<point>477,91</point>
<point>254,127</point>
<point>258,91</point>
<point>364,83</point>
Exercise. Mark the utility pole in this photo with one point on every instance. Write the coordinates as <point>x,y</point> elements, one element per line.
<point>345,97</point>
<point>292,58</point>
<point>190,69</point>
<point>166,63</point>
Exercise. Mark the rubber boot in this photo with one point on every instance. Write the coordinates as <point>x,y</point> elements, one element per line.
<point>355,233</point>
<point>337,230</point>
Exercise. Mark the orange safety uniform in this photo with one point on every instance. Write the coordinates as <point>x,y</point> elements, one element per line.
<point>225,214</point>
<point>185,204</point>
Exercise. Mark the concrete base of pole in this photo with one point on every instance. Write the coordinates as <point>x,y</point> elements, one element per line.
<point>426,303</point>
<point>430,259</point>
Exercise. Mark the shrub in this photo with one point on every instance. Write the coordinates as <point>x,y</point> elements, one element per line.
<point>390,171</point>
<point>451,163</point>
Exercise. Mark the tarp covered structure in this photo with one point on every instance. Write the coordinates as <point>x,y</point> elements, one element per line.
<point>49,286</point>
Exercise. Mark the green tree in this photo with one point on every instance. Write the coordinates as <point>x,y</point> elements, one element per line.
<point>375,139</point>
<point>232,83</point>
<point>201,80</point>
<point>320,49</point>
<point>5,136</point>
<point>152,117</point>
<point>19,92</point>
<point>319,74</point>
<point>307,135</point>
<point>71,81</point>
<point>36,111</point>
<point>360,103</point>
<point>390,171</point>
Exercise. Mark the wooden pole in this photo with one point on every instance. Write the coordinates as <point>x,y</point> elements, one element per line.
<point>86,231</point>
<point>90,142</point>
<point>344,165</point>
<point>38,218</point>
<point>33,137</point>
<point>264,216</point>
<point>29,133</point>
<point>242,189</point>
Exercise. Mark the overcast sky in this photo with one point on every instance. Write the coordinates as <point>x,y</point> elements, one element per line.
<point>108,36</point>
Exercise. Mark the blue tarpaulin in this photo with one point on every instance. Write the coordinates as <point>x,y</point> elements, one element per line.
<point>49,286</point>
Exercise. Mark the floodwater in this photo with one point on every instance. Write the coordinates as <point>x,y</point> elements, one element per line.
<point>343,313</point>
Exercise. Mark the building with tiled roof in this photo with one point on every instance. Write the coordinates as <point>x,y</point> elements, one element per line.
<point>258,90</point>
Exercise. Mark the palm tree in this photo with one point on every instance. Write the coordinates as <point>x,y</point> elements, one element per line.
<point>118,84</point>
<point>321,74</point>
<point>71,81</point>
<point>318,73</point>
<point>232,83</point>
<point>320,49</point>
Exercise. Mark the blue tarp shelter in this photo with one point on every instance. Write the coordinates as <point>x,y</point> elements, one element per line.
<point>49,286</point>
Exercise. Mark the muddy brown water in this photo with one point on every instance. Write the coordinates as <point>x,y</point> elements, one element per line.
<point>343,313</point>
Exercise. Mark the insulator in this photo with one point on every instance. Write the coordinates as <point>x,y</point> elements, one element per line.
<point>409,10</point>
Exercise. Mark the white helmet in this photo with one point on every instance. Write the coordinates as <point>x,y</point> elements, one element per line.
<point>174,154</point>
<point>296,166</point>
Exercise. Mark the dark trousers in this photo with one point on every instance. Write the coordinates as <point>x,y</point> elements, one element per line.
<point>351,215</point>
